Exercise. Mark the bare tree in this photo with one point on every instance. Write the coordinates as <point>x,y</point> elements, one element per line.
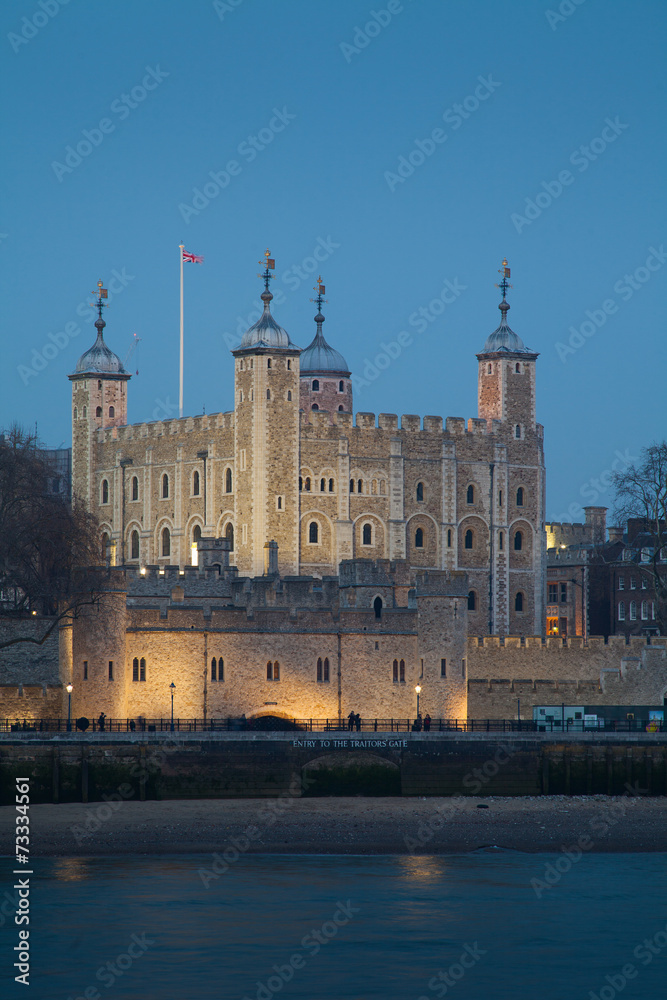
<point>641,500</point>
<point>49,546</point>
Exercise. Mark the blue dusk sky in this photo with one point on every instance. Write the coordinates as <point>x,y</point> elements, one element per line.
<point>400,148</point>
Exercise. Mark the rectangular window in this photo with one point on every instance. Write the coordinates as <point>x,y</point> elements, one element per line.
<point>621,583</point>
<point>443,667</point>
<point>85,670</point>
<point>110,670</point>
<point>643,584</point>
<point>644,611</point>
<point>135,669</point>
<point>621,611</point>
<point>633,611</point>
<point>563,593</point>
<point>142,669</point>
<point>553,593</point>
<point>463,667</point>
<point>633,583</point>
<point>563,626</point>
<point>402,671</point>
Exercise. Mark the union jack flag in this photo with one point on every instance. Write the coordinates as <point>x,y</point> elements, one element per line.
<point>192,258</point>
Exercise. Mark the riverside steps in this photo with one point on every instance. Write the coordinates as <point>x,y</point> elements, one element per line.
<point>74,767</point>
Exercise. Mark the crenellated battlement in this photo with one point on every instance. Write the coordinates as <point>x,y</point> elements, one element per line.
<point>618,642</point>
<point>162,428</point>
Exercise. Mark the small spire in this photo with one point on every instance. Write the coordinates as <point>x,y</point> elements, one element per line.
<point>503,286</point>
<point>320,300</point>
<point>101,294</point>
<point>269,265</point>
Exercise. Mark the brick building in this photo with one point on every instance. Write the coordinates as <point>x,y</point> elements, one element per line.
<point>289,463</point>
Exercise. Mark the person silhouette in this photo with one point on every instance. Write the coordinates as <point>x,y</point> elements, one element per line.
<point>351,719</point>
<point>100,721</point>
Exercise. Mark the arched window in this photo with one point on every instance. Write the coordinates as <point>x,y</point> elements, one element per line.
<point>323,485</point>
<point>374,487</point>
<point>279,503</point>
<point>367,535</point>
<point>105,546</point>
<point>470,494</point>
<point>420,492</point>
<point>501,540</point>
<point>300,484</point>
<point>135,669</point>
<point>268,362</point>
<point>340,409</point>
<point>313,532</point>
<point>276,670</point>
<point>269,671</point>
<point>419,538</point>
<point>165,486</point>
<point>316,385</point>
<point>518,601</point>
<point>221,669</point>
<point>401,671</point>
<point>289,365</point>
<point>195,484</point>
<point>325,677</point>
<point>517,431</point>
<point>228,481</point>
<point>472,600</point>
<point>519,497</point>
<point>377,607</point>
<point>99,384</point>
<point>229,535</point>
<point>76,413</point>
<point>112,412</point>
<point>621,611</point>
<point>166,542</point>
<point>395,671</point>
<point>517,368</point>
<point>142,669</point>
<point>105,491</point>
<point>85,412</point>
<point>135,488</point>
<point>314,406</point>
<point>341,386</point>
<point>449,538</point>
<point>307,484</point>
<point>268,394</point>
<point>489,369</point>
<point>98,411</point>
<point>644,611</point>
<point>633,611</point>
<point>134,545</point>
<point>214,669</point>
<point>319,669</point>
<point>331,486</point>
<point>196,536</point>
<point>360,486</point>
<point>351,485</point>
<point>518,541</point>
<point>289,395</point>
<point>468,539</point>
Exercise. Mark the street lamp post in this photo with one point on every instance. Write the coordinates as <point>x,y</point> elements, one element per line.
<point>418,692</point>
<point>172,687</point>
<point>69,690</point>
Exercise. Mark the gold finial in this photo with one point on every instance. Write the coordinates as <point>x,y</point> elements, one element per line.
<point>269,265</point>
<point>504,284</point>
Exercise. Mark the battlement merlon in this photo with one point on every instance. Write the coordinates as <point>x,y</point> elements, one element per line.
<point>162,428</point>
<point>410,423</point>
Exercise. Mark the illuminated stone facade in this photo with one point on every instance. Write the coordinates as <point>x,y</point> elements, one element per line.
<point>324,485</point>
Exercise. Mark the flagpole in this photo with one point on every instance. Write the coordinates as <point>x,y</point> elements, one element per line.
<point>180,381</point>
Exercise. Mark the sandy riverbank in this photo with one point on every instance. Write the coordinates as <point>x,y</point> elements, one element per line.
<point>343,825</point>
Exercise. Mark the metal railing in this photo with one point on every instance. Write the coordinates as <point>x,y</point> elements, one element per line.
<point>369,725</point>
